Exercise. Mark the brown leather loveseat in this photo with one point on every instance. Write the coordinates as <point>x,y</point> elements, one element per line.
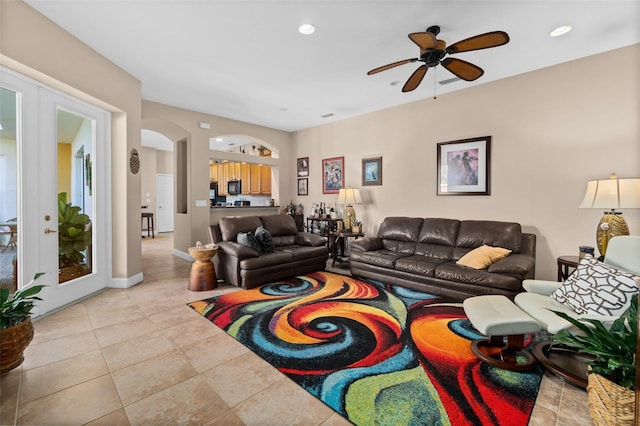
<point>293,253</point>
<point>421,254</point>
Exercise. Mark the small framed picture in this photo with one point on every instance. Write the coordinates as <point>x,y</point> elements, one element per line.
<point>332,175</point>
<point>372,171</point>
<point>303,186</point>
<point>303,166</point>
<point>464,167</point>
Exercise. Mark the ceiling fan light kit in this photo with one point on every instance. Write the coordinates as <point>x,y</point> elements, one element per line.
<point>433,52</point>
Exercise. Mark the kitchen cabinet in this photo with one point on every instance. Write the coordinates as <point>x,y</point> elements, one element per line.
<point>245,175</point>
<point>213,173</point>
<point>265,180</point>
<point>256,179</point>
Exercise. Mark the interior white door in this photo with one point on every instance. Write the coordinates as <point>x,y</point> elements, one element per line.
<point>62,146</point>
<point>164,195</point>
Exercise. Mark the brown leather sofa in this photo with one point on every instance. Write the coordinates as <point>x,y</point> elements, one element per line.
<point>421,254</point>
<point>295,253</point>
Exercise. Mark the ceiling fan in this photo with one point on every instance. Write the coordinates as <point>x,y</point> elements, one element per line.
<point>433,52</point>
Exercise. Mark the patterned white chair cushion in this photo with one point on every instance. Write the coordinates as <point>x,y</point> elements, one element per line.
<point>596,288</point>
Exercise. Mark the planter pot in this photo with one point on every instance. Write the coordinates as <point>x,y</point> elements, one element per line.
<point>13,341</point>
<point>610,404</point>
<point>72,272</point>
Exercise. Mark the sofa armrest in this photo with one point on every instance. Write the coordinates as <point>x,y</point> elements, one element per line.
<point>519,264</point>
<point>231,248</point>
<point>366,244</point>
<point>545,288</point>
<point>309,239</point>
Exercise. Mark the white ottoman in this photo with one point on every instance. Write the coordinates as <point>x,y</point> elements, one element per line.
<point>498,317</point>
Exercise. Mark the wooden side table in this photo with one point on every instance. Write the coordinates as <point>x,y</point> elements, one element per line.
<point>203,275</point>
<point>564,263</point>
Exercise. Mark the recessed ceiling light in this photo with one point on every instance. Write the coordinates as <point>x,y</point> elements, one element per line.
<point>560,31</point>
<point>306,29</point>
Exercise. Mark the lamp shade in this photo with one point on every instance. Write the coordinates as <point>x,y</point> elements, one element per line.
<point>349,196</point>
<point>612,193</point>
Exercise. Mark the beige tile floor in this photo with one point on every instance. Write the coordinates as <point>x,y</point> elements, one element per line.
<point>139,356</point>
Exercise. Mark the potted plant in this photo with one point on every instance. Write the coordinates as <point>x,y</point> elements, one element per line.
<point>16,329</point>
<point>74,232</point>
<point>613,366</point>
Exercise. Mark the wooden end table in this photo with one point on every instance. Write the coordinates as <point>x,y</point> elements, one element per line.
<point>340,240</point>
<point>564,263</point>
<point>203,275</point>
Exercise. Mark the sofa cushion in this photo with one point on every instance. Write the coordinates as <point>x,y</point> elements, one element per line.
<point>434,250</point>
<point>279,224</point>
<point>483,256</point>
<point>271,259</point>
<point>264,238</point>
<point>304,252</point>
<point>596,288</point>
<point>418,265</point>
<point>384,258</point>
<point>451,271</point>
<point>230,226</point>
<point>249,240</point>
<point>439,231</point>
<point>400,228</point>
<point>475,233</point>
<point>518,264</point>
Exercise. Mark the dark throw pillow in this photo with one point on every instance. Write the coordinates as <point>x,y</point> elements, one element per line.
<point>264,238</point>
<point>249,240</point>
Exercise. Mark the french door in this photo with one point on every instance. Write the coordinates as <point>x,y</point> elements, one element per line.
<point>57,189</point>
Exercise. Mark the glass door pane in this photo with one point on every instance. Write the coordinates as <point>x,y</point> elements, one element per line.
<point>75,137</point>
<point>9,224</point>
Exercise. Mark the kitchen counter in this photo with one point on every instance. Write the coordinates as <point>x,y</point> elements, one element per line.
<point>244,207</point>
<point>218,213</point>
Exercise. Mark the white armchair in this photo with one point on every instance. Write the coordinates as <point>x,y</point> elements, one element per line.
<point>623,254</point>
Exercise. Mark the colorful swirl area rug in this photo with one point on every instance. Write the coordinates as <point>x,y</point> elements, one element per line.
<point>376,354</point>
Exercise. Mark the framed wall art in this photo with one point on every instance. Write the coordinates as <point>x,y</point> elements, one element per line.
<point>332,175</point>
<point>464,167</point>
<point>303,166</point>
<point>303,186</point>
<point>372,171</point>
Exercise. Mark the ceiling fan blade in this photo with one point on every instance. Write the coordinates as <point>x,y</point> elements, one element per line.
<point>393,65</point>
<point>415,79</point>
<point>424,40</point>
<point>482,41</point>
<point>463,69</point>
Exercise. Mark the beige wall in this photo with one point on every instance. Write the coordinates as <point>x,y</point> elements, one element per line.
<point>34,46</point>
<point>553,130</point>
<point>177,124</point>
<point>64,168</point>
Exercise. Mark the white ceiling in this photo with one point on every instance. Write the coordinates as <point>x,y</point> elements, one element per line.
<point>246,60</point>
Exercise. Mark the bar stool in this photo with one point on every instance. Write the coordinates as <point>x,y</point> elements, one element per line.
<point>150,228</point>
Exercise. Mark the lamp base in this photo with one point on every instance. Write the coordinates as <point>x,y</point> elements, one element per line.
<point>349,217</point>
<point>611,225</point>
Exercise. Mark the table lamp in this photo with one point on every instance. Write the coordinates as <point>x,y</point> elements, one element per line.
<point>349,196</point>
<point>612,193</point>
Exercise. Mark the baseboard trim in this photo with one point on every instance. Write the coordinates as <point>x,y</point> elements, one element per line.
<point>126,282</point>
<point>183,255</point>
